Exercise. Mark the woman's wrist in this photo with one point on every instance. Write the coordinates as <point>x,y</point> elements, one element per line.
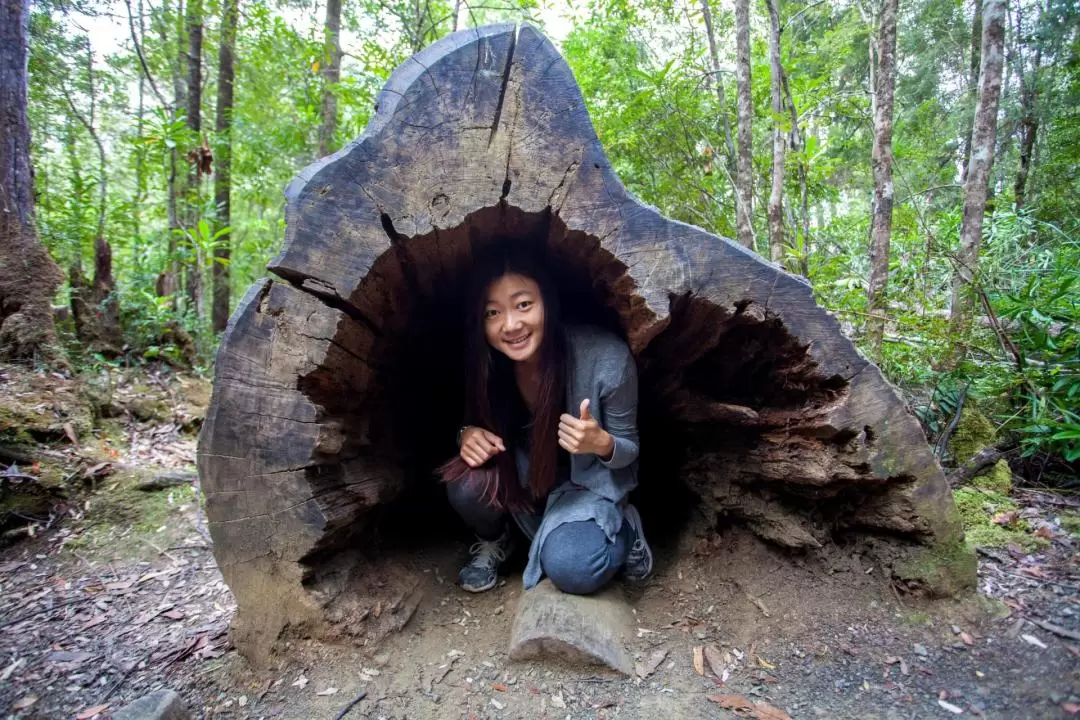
<point>608,451</point>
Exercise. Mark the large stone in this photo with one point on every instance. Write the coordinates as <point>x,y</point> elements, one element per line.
<point>162,704</point>
<point>593,629</point>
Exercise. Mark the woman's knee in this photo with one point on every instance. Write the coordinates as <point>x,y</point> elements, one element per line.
<point>470,504</point>
<point>578,558</point>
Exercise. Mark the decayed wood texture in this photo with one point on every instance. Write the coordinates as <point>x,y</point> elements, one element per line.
<point>337,384</point>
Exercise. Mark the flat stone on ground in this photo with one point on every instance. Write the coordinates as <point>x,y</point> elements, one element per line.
<point>159,705</point>
<point>592,630</point>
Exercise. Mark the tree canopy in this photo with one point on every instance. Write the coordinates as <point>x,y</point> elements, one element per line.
<point>121,167</point>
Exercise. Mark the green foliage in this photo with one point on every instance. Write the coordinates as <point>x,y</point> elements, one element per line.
<point>648,80</point>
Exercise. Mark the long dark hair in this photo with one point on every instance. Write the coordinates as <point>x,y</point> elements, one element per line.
<point>492,398</point>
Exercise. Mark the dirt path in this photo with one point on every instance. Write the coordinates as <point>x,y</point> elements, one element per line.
<point>121,596</point>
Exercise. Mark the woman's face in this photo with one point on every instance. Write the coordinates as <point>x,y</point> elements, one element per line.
<point>514,317</point>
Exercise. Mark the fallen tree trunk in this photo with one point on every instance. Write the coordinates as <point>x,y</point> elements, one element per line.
<point>751,396</point>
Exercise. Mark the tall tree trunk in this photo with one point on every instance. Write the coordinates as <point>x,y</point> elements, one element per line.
<point>881,161</point>
<point>983,140</point>
<point>168,280</point>
<point>717,80</point>
<point>1029,120</point>
<point>28,275</point>
<point>744,166</point>
<point>94,304</point>
<point>195,156</point>
<point>973,83</point>
<point>779,139</point>
<point>798,145</point>
<point>223,171</point>
<point>331,71</point>
<point>140,155</point>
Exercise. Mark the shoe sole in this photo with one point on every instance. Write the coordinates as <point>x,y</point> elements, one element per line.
<point>481,588</point>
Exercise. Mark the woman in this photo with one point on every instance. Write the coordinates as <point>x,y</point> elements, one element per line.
<point>551,439</point>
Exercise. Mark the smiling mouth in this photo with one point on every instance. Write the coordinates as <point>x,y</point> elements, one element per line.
<point>518,343</point>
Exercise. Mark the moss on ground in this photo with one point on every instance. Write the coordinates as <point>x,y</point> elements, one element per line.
<point>997,479</point>
<point>978,508</point>
<point>1071,524</point>
<point>132,523</point>
<point>946,568</point>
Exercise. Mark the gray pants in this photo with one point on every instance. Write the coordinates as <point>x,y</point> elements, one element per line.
<point>576,556</point>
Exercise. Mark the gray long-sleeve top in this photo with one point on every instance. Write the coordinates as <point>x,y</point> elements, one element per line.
<point>602,369</point>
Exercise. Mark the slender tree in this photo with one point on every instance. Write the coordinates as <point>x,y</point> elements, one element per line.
<point>983,140</point>
<point>779,138</point>
<point>973,83</point>
<point>94,304</point>
<point>1029,119</point>
<point>28,275</point>
<point>331,72</point>
<point>223,165</point>
<point>881,161</point>
<point>168,279</point>
<point>718,83</point>
<point>744,166</point>
<point>197,155</point>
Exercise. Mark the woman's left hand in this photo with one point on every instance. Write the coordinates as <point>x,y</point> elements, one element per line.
<point>580,436</point>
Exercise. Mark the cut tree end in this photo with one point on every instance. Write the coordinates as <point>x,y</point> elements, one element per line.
<point>753,404</point>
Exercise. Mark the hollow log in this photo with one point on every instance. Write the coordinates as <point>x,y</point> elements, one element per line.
<point>338,381</point>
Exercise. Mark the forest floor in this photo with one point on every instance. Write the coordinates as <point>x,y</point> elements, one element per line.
<point>114,593</point>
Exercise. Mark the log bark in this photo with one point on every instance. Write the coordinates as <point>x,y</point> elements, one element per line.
<point>984,138</point>
<point>750,394</point>
<point>28,275</point>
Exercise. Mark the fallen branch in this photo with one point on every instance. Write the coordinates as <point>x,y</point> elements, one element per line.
<point>1056,629</point>
<point>352,703</point>
<point>973,466</point>
<point>42,611</point>
<point>943,441</point>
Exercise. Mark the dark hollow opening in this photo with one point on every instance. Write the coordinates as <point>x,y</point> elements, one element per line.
<point>718,386</point>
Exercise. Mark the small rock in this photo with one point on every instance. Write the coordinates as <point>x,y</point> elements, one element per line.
<point>496,704</point>
<point>160,705</point>
<point>1031,639</point>
<point>919,650</point>
<point>380,659</point>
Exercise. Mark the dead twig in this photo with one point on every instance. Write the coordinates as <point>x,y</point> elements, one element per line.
<point>123,678</point>
<point>352,703</point>
<point>42,611</point>
<point>973,466</point>
<point>1056,629</point>
<point>943,441</point>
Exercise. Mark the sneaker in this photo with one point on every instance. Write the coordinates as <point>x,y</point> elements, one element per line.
<point>482,571</point>
<point>639,562</point>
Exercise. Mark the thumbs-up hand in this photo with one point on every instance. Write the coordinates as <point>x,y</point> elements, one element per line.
<point>582,435</point>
